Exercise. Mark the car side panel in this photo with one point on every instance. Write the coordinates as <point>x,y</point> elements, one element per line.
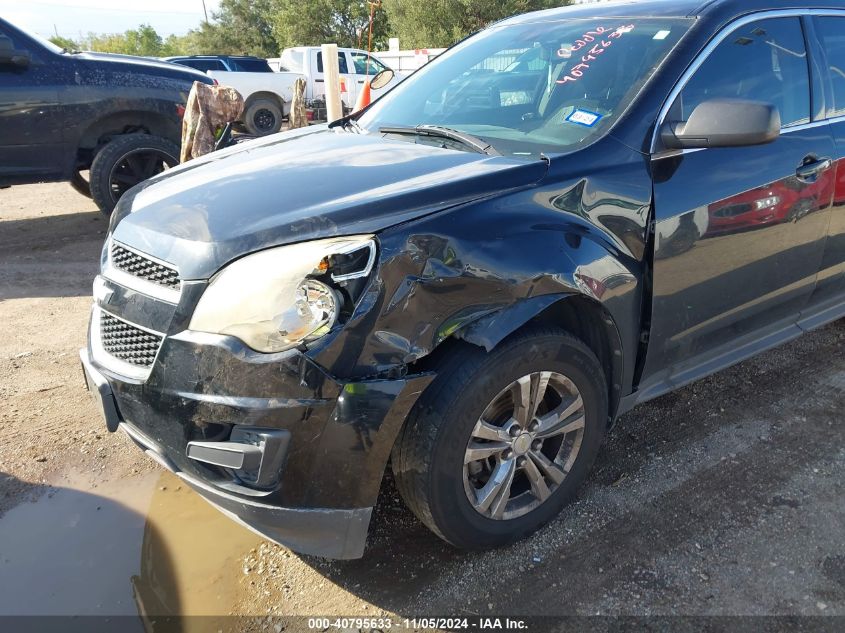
<point>32,144</point>
<point>455,271</point>
<point>122,97</point>
<point>828,300</point>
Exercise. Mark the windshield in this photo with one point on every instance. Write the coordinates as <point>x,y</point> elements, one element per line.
<point>543,87</point>
<point>43,41</point>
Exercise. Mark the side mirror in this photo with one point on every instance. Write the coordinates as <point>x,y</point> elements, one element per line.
<point>381,79</point>
<point>11,57</point>
<point>724,123</point>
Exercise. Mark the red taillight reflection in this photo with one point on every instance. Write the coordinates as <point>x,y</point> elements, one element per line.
<point>180,110</point>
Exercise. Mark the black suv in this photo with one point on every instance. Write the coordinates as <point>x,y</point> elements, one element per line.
<point>62,113</point>
<point>230,63</point>
<point>472,284</point>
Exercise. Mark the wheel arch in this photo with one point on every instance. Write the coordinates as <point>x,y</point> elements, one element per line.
<point>580,315</point>
<point>133,121</point>
<point>264,94</point>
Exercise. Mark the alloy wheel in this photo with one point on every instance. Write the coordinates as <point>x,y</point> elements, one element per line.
<point>524,445</point>
<point>264,120</point>
<point>136,167</point>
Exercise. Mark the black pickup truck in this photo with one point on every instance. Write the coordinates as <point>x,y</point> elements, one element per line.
<point>63,113</point>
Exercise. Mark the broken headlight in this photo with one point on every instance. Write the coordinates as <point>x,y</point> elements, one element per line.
<point>277,299</point>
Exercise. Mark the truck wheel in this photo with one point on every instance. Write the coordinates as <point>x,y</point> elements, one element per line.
<point>126,161</point>
<point>500,442</point>
<point>263,117</point>
<point>80,184</point>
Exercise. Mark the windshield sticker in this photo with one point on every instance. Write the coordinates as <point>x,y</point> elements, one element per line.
<point>584,117</point>
<point>600,47</point>
<point>565,52</point>
<point>661,35</point>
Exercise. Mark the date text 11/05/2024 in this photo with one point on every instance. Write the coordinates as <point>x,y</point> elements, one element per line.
<point>416,624</point>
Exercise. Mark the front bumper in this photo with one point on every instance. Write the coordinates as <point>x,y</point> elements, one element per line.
<point>328,532</point>
<point>341,434</point>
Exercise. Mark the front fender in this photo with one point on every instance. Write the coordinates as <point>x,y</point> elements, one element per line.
<point>480,273</point>
<point>490,330</point>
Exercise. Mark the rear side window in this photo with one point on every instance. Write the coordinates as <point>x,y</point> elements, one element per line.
<point>203,64</point>
<point>832,33</point>
<point>762,61</point>
<point>10,36</point>
<point>252,65</point>
<point>292,60</point>
<point>341,60</point>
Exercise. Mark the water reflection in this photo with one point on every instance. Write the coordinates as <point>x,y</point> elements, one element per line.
<point>189,561</point>
<point>145,546</point>
<point>71,553</point>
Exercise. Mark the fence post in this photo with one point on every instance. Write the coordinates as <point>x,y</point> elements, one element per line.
<point>331,71</point>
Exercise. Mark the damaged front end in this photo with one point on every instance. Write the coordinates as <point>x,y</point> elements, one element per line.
<point>270,359</point>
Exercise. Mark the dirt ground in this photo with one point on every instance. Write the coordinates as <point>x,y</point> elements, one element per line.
<point>724,498</point>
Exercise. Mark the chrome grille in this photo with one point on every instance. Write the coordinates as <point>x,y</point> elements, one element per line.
<point>128,343</point>
<point>143,268</point>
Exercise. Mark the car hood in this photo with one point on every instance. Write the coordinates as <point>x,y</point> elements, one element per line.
<point>147,64</point>
<point>299,186</point>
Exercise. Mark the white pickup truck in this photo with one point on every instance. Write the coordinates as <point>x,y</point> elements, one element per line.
<point>268,95</point>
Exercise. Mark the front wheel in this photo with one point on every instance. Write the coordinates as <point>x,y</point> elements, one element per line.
<point>263,117</point>
<point>500,442</point>
<point>126,161</point>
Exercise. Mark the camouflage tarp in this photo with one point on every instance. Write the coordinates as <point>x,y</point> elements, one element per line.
<point>298,117</point>
<point>208,109</point>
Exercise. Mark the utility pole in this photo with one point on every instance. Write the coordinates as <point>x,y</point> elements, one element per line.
<point>204,10</point>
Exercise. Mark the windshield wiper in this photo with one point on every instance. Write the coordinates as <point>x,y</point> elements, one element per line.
<point>353,123</point>
<point>467,140</point>
<point>349,121</point>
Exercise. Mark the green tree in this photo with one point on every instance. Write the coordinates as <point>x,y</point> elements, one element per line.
<point>65,42</point>
<point>344,22</point>
<point>239,27</point>
<point>143,41</point>
<point>441,23</point>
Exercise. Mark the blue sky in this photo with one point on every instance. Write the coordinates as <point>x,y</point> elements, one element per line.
<point>74,17</point>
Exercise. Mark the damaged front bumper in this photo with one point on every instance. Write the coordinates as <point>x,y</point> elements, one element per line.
<point>274,442</point>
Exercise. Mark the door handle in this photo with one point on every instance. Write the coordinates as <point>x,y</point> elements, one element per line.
<point>809,171</point>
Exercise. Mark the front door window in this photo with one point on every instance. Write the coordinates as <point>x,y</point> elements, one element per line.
<point>764,61</point>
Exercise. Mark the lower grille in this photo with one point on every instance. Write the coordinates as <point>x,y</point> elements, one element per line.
<point>128,343</point>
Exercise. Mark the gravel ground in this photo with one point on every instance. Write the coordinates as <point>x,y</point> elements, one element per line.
<point>724,498</point>
<point>50,240</point>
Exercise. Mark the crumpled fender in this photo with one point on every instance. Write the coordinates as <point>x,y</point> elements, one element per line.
<point>490,330</point>
<point>570,247</point>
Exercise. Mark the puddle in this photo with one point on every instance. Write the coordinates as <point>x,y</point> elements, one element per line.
<point>144,546</point>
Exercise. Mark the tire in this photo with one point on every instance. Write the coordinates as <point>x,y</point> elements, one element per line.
<point>126,161</point>
<point>263,117</point>
<point>428,457</point>
<point>80,184</point>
